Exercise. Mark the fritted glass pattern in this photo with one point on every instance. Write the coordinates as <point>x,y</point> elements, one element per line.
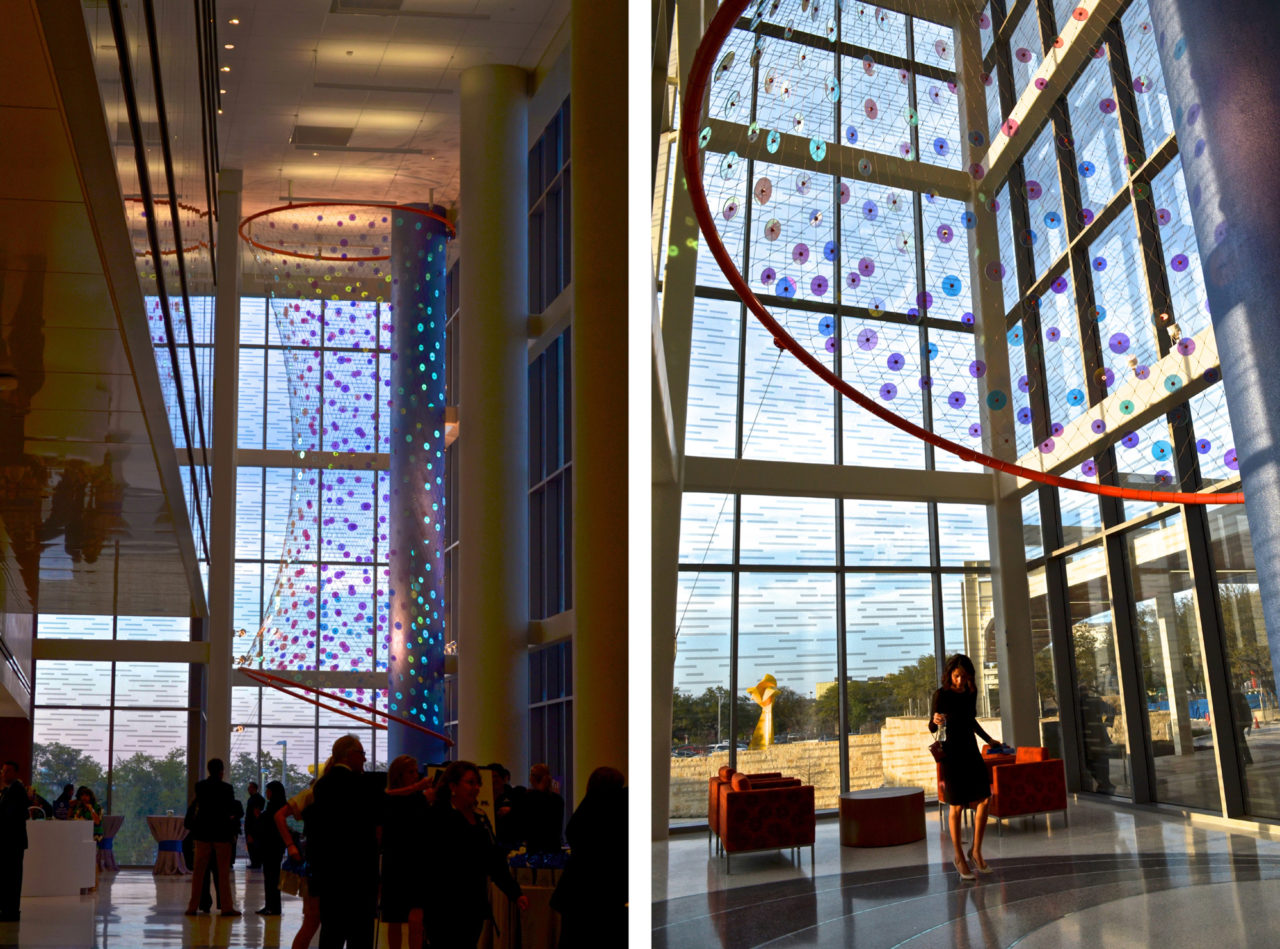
<point>886,534</point>
<point>933,43</point>
<point>1047,232</point>
<point>1150,97</point>
<point>784,403</point>
<point>793,233</point>
<point>1003,269</point>
<point>875,105</point>
<point>947,294</point>
<point>1214,443</point>
<point>790,531</point>
<point>706,528</point>
<point>1135,453</point>
<point>887,372</point>
<point>726,188</point>
<point>1021,401</point>
<point>952,384</point>
<point>877,245</point>
<point>1125,333</point>
<point>1026,49</point>
<point>866,24</point>
<point>889,624</point>
<point>939,113</point>
<point>1095,126</point>
<point>1181,252</point>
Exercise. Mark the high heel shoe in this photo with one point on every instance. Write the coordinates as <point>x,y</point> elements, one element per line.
<point>965,874</point>
<point>977,862</point>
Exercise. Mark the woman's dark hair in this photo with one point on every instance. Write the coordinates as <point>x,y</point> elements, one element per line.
<point>275,791</point>
<point>959,661</point>
<point>605,778</point>
<point>89,791</point>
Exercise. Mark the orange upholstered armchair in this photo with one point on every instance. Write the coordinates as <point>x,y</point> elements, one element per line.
<point>720,780</point>
<point>1033,784</point>
<point>766,814</point>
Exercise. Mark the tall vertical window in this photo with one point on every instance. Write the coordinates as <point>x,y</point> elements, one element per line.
<point>311,529</point>
<point>117,728</point>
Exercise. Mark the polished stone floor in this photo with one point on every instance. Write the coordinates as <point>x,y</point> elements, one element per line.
<point>132,909</point>
<point>1116,877</point>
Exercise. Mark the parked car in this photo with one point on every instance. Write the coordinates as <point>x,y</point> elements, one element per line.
<point>687,751</point>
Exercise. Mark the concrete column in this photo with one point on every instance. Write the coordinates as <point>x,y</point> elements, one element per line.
<point>415,670</point>
<point>222,502</point>
<point>1019,709</point>
<point>493,418</point>
<point>1175,678</point>
<point>597,153</point>
<point>1220,73</point>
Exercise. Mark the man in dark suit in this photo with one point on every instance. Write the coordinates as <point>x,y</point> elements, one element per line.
<point>13,841</point>
<point>213,820</point>
<point>254,805</point>
<point>343,848</point>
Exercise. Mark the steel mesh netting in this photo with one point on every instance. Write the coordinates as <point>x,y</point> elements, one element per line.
<point>326,610</point>
<point>796,167</point>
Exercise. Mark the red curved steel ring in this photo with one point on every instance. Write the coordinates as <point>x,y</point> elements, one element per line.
<point>332,204</point>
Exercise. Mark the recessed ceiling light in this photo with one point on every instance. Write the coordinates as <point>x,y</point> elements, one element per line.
<point>234,21</point>
<point>226,69</point>
<point>315,154</point>
<point>228,45</point>
<point>223,91</point>
<point>219,111</point>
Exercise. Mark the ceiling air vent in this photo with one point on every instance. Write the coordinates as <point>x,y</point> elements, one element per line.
<point>320,136</point>
<point>395,8</point>
<point>366,6</point>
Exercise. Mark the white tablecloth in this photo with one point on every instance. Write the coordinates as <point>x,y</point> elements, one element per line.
<point>169,833</point>
<point>59,858</point>
<point>106,855</point>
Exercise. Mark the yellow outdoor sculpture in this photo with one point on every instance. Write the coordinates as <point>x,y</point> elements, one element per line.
<point>764,693</point>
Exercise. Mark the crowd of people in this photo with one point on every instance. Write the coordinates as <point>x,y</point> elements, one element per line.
<point>362,857</point>
<point>400,848</point>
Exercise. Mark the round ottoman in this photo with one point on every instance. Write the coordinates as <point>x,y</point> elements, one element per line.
<point>881,817</point>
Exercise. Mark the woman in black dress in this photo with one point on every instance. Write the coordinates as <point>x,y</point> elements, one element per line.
<point>406,843</point>
<point>955,708</point>
<point>270,847</point>
<point>458,901</point>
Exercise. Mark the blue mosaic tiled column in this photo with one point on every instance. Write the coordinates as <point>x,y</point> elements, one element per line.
<point>1221,74</point>
<point>415,515</point>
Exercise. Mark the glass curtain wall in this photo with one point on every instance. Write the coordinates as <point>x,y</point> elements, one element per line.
<point>830,596</point>
<point>1109,280</point>
<point>1141,613</point>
